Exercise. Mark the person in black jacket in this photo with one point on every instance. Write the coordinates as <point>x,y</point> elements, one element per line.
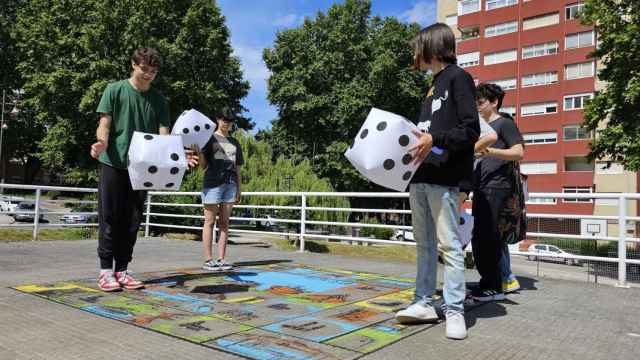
<point>449,129</point>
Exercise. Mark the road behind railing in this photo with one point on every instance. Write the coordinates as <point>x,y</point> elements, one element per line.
<point>303,227</point>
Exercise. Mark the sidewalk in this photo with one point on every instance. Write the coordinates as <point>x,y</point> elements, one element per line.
<point>550,319</point>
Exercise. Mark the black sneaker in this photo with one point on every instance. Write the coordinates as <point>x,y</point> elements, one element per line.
<point>223,265</point>
<point>487,295</point>
<point>211,265</point>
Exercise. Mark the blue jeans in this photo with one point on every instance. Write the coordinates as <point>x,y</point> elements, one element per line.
<point>505,264</point>
<point>435,217</point>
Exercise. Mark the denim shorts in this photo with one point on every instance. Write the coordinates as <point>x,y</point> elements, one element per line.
<point>225,193</point>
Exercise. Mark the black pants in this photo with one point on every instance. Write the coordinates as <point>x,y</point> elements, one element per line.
<point>486,240</point>
<point>119,215</point>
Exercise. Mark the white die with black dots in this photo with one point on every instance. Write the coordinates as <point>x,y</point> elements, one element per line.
<point>380,150</point>
<point>156,162</point>
<point>194,127</point>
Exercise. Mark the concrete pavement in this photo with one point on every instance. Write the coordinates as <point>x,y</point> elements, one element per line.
<point>549,319</point>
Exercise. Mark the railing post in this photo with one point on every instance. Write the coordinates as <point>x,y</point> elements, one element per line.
<point>146,223</point>
<point>303,215</point>
<point>622,242</point>
<point>36,215</point>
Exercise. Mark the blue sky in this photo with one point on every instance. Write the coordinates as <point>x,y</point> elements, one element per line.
<point>254,24</point>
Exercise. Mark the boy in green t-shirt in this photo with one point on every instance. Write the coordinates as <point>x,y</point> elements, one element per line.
<point>126,106</point>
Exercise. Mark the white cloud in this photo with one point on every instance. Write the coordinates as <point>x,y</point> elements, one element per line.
<point>423,13</point>
<point>288,20</point>
<point>253,67</point>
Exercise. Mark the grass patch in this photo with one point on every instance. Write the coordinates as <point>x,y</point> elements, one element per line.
<point>181,236</point>
<point>386,252</point>
<point>49,234</point>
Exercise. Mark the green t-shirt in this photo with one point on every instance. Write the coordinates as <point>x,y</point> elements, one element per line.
<point>130,110</point>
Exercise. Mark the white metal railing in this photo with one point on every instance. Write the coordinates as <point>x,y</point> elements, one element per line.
<point>304,219</point>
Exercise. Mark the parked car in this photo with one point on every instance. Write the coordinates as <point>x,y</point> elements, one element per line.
<point>403,235</point>
<point>552,253</point>
<point>267,221</point>
<point>75,218</point>
<point>9,203</point>
<point>24,206</point>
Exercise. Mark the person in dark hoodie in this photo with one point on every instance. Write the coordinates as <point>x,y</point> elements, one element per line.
<point>449,129</point>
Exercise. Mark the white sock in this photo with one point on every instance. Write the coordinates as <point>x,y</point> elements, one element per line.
<point>105,271</point>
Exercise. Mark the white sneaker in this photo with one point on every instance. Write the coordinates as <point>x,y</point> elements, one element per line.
<point>417,313</point>
<point>456,326</point>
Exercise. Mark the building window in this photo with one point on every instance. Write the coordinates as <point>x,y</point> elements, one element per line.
<point>549,48</point>
<point>575,132</point>
<point>469,59</point>
<point>539,109</point>
<point>573,11</point>
<point>578,40</point>
<point>495,4</point>
<point>578,163</point>
<point>541,201</point>
<point>575,102</point>
<point>540,21</point>
<point>537,168</point>
<point>505,84</point>
<point>468,33</point>
<point>609,168</point>
<point>501,57</point>
<point>577,190</point>
<point>468,6</point>
<point>541,138</point>
<point>540,79</point>
<point>580,70</point>
<point>511,110</point>
<point>501,29</point>
<point>452,20</point>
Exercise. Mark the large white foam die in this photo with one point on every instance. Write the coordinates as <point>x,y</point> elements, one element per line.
<point>380,150</point>
<point>156,162</point>
<point>194,128</point>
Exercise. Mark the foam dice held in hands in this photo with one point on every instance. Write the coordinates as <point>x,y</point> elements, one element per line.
<point>194,128</point>
<point>380,150</point>
<point>156,162</point>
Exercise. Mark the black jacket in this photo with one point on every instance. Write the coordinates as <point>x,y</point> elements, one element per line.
<point>450,115</point>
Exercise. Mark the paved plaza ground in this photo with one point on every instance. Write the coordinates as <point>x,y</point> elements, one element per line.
<point>279,304</point>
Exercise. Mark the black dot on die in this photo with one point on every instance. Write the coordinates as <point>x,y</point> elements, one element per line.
<point>175,157</point>
<point>169,185</point>
<point>148,184</point>
<point>388,164</point>
<point>351,146</point>
<point>148,137</point>
<point>381,125</point>
<point>406,159</point>
<point>153,169</point>
<point>196,128</point>
<point>406,176</point>
<point>207,126</point>
<point>364,133</point>
<point>185,131</point>
<point>174,170</point>
<point>403,140</point>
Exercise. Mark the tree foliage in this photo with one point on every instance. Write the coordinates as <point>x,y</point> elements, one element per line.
<point>325,77</point>
<point>617,23</point>
<point>71,49</point>
<point>259,174</point>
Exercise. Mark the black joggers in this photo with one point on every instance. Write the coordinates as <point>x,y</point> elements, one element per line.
<point>119,215</point>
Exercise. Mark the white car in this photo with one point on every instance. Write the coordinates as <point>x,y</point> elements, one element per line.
<point>403,235</point>
<point>551,253</point>
<point>267,221</point>
<point>75,218</point>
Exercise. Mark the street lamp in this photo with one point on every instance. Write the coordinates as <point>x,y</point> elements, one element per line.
<point>3,126</point>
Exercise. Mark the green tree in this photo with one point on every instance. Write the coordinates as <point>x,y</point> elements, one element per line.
<point>617,23</point>
<point>71,49</point>
<point>325,77</point>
